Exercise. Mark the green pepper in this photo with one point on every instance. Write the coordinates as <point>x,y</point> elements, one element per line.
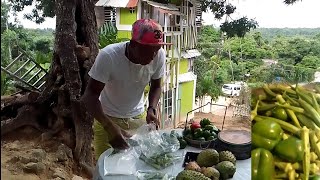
<point>262,164</point>
<point>183,143</point>
<point>290,149</point>
<point>204,122</point>
<point>206,134</point>
<point>266,134</point>
<point>211,128</point>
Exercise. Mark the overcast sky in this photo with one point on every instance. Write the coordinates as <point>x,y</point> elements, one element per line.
<point>268,13</point>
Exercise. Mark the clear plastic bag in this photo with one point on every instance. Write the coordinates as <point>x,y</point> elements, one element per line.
<point>153,175</point>
<point>121,163</point>
<point>156,149</point>
<point>152,143</point>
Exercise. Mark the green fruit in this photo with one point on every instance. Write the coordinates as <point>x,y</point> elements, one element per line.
<point>210,127</point>
<point>280,113</point>
<point>183,143</point>
<point>208,157</point>
<point>206,134</point>
<point>186,131</point>
<point>189,136</point>
<point>226,169</point>
<point>191,175</point>
<point>227,156</point>
<point>210,138</point>
<point>198,133</point>
<point>211,173</point>
<point>213,134</point>
<point>199,130</point>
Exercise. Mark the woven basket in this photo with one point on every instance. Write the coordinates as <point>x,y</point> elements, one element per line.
<point>200,144</point>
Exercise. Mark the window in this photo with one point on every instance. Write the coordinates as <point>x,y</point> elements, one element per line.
<point>110,15</point>
<point>132,9</point>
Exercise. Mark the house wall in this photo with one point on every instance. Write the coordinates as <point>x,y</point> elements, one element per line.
<point>183,66</point>
<point>186,93</point>
<point>126,17</point>
<point>124,34</point>
<point>99,12</point>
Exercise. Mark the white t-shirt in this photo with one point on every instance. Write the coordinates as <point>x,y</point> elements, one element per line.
<point>122,96</point>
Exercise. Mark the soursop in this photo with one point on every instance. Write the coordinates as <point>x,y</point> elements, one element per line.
<point>226,169</point>
<point>227,156</point>
<point>211,173</point>
<point>192,166</point>
<point>191,175</point>
<point>208,157</point>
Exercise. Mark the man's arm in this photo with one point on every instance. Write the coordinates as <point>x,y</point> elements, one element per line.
<point>90,99</point>
<point>155,92</point>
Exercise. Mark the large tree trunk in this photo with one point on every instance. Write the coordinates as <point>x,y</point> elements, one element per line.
<point>58,108</point>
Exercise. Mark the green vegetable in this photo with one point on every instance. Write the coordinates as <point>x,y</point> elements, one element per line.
<point>211,128</point>
<point>206,134</point>
<point>280,113</point>
<point>266,134</point>
<point>290,149</point>
<point>183,143</point>
<point>211,138</point>
<point>262,164</point>
<point>204,122</point>
<point>198,133</point>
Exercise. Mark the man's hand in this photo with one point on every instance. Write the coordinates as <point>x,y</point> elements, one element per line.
<point>118,137</point>
<point>152,118</point>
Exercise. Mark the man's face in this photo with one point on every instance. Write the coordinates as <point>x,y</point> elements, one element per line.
<point>145,53</point>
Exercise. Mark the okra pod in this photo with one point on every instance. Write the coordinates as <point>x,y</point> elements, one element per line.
<point>306,156</point>
<point>268,91</point>
<point>306,121</point>
<point>311,111</point>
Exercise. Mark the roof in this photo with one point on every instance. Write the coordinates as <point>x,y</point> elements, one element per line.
<point>117,3</point>
<point>186,77</point>
<point>190,53</point>
<point>164,8</point>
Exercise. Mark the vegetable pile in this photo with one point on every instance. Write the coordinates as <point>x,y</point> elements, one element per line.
<point>285,132</point>
<point>203,131</point>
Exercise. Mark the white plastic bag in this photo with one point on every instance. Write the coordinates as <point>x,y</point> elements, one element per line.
<point>121,163</point>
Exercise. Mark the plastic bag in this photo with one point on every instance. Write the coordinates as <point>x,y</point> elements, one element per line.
<point>153,175</point>
<point>121,163</point>
<point>152,143</point>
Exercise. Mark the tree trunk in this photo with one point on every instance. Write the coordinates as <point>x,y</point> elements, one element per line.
<point>58,108</point>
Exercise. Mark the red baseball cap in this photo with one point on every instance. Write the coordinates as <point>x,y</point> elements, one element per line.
<point>148,32</point>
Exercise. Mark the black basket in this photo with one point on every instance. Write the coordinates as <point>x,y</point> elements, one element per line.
<point>200,144</point>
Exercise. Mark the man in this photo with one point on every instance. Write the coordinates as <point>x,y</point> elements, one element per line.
<point>118,77</point>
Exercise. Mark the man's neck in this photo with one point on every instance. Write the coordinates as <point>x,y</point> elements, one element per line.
<point>129,53</point>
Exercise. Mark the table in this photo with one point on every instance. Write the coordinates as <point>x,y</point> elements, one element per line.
<point>243,166</point>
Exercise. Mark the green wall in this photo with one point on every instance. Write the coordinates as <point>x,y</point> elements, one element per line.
<point>183,66</point>
<point>124,34</point>
<point>186,96</point>
<point>126,17</point>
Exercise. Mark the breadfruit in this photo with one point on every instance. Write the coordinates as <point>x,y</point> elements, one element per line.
<point>227,156</point>
<point>211,173</point>
<point>192,166</point>
<point>226,169</point>
<point>191,175</point>
<point>208,157</point>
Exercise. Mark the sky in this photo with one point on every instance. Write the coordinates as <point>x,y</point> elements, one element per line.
<point>268,14</point>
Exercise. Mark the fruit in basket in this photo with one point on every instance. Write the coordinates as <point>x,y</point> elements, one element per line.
<point>227,156</point>
<point>211,173</point>
<point>186,131</point>
<point>290,149</point>
<point>208,157</point>
<point>226,169</point>
<point>204,122</point>
<point>192,166</point>
<point>210,138</point>
<point>200,139</point>
<point>191,175</point>
<point>206,134</point>
<point>194,126</point>
<point>266,134</point>
<point>198,133</point>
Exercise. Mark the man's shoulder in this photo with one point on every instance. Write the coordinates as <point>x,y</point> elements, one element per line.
<point>113,49</point>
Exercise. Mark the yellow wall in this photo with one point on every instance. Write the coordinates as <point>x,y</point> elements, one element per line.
<point>124,34</point>
<point>183,66</point>
<point>186,96</point>
<point>126,17</point>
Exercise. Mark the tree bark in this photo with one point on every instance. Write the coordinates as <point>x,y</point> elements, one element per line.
<point>76,46</point>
